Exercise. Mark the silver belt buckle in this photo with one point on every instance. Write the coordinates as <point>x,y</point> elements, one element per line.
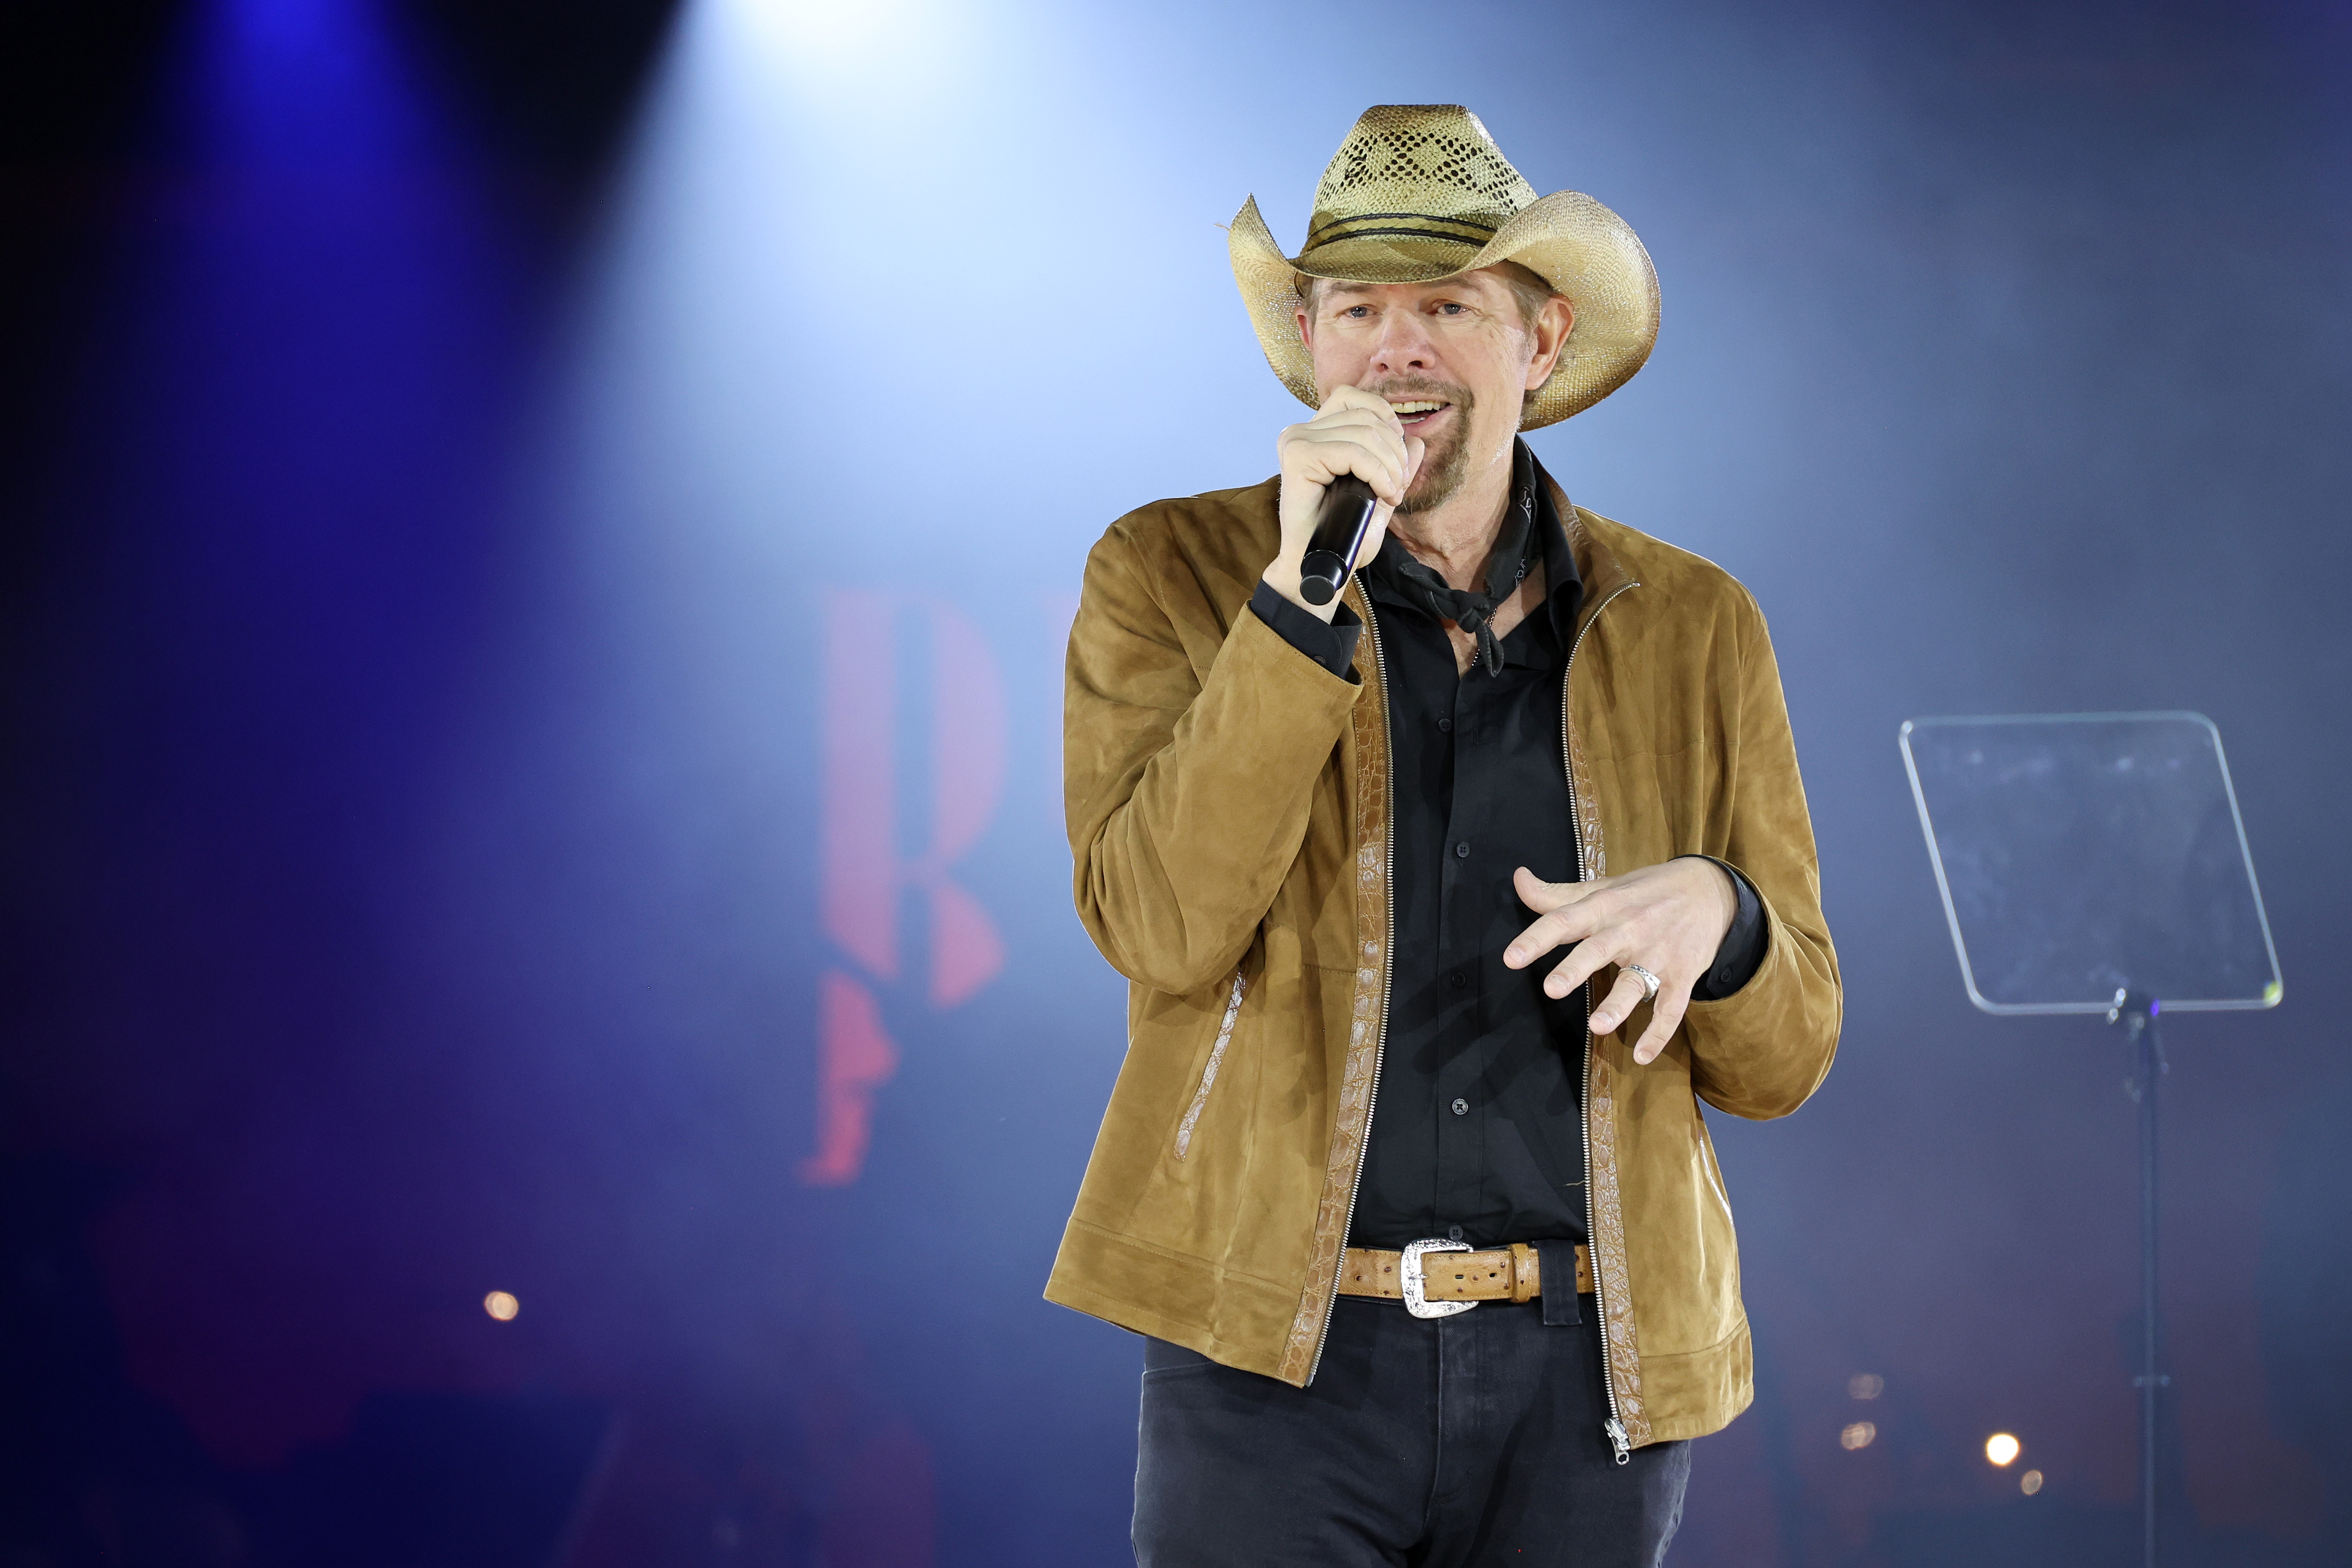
<point>1416,1300</point>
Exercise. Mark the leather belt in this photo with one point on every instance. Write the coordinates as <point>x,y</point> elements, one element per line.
<point>1455,1282</point>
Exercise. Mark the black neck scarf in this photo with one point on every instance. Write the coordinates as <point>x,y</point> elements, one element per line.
<point>1473,609</point>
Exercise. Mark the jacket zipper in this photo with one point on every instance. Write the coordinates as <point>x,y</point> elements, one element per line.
<point>1216,1057</point>
<point>1613,1429</point>
<point>1380,1034</point>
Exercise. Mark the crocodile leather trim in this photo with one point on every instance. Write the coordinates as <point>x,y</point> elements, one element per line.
<point>1609,1254</point>
<point>1588,814</point>
<point>1352,1119</point>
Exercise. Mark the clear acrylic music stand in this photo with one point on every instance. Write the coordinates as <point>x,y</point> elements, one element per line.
<point>2096,863</point>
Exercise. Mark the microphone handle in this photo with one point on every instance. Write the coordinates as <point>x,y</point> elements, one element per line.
<point>1345,518</point>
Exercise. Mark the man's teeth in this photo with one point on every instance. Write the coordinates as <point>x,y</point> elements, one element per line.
<point>1403,408</point>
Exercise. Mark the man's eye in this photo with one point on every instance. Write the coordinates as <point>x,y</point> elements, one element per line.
<point>1358,311</point>
<point>1450,309</point>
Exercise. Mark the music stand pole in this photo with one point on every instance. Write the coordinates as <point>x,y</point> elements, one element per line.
<point>2137,1015</point>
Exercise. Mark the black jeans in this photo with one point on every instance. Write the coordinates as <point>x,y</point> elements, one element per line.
<point>1447,1442</point>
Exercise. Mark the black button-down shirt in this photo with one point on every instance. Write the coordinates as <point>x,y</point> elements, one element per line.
<point>1477,1130</point>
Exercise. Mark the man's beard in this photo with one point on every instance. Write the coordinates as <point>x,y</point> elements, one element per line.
<point>1444,462</point>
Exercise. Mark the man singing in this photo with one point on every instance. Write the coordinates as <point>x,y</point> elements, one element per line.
<point>1445,903</point>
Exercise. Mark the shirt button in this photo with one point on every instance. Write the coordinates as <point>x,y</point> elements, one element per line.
<point>1453,1233</point>
<point>1460,1108</point>
<point>1462,850</point>
<point>1446,725</point>
<point>1458,978</point>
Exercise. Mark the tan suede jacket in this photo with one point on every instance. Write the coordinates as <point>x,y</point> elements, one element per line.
<point>1228,805</point>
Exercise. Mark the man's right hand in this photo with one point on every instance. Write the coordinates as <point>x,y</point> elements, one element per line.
<point>1354,432</point>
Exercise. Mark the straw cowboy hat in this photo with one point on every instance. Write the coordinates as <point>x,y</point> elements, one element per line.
<point>1420,192</point>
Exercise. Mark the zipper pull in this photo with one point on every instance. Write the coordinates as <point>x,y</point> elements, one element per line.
<point>1615,1430</point>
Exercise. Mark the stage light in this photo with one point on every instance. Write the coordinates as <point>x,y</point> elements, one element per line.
<point>2002,1448</point>
<point>501,1305</point>
<point>823,26</point>
<point>877,64</point>
<point>1866,1385</point>
<point>1861,1435</point>
<point>2030,1482</point>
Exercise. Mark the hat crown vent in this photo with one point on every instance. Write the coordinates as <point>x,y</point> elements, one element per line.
<point>1434,160</point>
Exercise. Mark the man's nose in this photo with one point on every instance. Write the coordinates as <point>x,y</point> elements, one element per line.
<point>1403,345</point>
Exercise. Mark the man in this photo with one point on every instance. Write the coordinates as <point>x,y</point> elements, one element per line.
<point>1435,1266</point>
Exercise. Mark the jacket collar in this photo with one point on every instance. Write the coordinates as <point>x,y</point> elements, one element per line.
<point>1602,573</point>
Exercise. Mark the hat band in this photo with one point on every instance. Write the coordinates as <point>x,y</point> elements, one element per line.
<point>1411,224</point>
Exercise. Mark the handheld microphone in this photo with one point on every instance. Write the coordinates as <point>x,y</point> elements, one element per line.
<point>1345,518</point>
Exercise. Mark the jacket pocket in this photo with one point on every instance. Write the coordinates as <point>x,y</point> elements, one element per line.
<point>1216,1058</point>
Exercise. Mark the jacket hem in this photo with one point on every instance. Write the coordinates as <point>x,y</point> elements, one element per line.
<point>1235,1318</point>
<point>1695,1393</point>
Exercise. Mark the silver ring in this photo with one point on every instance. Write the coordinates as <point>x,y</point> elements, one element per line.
<point>1649,982</point>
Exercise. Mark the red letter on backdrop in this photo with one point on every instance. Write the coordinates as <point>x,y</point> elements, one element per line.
<point>861,871</point>
<point>856,1057</point>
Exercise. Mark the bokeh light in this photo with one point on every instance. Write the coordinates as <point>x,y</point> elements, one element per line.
<point>2002,1448</point>
<point>501,1305</point>
<point>1860,1435</point>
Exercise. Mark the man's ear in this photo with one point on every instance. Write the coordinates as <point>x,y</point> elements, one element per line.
<point>1552,325</point>
<point>1305,327</point>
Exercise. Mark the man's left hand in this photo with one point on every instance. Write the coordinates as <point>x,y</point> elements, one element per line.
<point>1668,919</point>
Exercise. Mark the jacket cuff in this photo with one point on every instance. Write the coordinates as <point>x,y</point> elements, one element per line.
<point>1741,953</point>
<point>1329,643</point>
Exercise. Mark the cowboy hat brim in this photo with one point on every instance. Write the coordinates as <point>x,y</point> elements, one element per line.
<point>1581,249</point>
